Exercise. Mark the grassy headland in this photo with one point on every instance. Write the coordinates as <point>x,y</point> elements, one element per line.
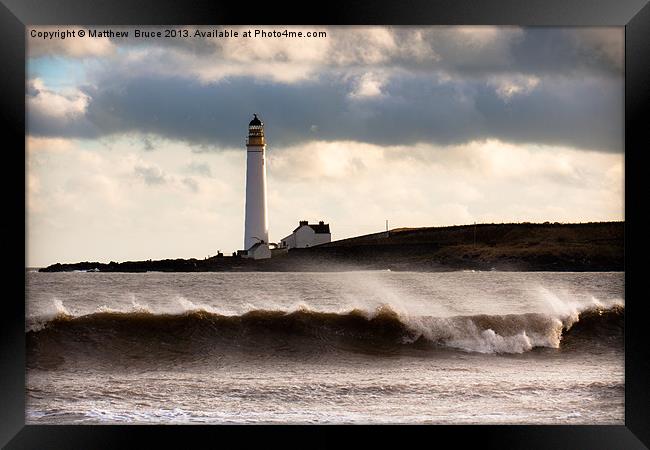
<point>595,246</point>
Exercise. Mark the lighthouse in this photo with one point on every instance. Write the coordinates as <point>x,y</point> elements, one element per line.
<point>256,226</point>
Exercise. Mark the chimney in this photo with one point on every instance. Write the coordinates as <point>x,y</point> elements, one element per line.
<point>321,223</point>
<point>302,222</point>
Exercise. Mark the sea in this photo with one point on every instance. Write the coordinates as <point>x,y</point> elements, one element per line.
<point>357,347</point>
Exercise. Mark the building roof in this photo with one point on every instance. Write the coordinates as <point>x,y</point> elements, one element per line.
<point>319,228</point>
<point>255,122</point>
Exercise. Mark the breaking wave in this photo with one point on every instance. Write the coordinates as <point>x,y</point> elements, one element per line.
<point>198,333</point>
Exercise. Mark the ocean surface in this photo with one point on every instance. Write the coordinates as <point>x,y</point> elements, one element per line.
<point>347,347</point>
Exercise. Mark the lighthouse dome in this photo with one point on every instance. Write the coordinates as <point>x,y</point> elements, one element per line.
<point>256,122</point>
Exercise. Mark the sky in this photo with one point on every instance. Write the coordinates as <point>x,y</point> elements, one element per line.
<point>136,146</point>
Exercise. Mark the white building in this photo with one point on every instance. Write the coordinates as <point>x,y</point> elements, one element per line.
<point>256,228</point>
<point>258,251</point>
<point>307,235</point>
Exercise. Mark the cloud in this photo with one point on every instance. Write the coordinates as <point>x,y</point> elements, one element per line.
<point>150,174</point>
<point>89,190</point>
<point>585,113</point>
<point>147,144</point>
<point>603,46</point>
<point>462,50</point>
<point>56,105</point>
<point>571,52</point>
<point>191,184</point>
<point>382,85</point>
<point>475,160</point>
<point>429,185</point>
<point>368,85</point>
<point>508,86</point>
<point>199,168</point>
<point>74,47</point>
<point>57,114</point>
<point>40,144</point>
<point>322,160</point>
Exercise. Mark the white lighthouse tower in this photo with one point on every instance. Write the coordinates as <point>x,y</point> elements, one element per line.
<point>256,229</point>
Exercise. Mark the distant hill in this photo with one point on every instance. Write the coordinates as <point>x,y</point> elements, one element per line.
<point>596,246</point>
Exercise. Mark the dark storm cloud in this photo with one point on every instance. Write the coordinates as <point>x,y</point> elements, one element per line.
<point>41,124</point>
<point>533,51</point>
<point>461,50</point>
<point>573,114</point>
<point>584,114</point>
<point>575,97</point>
<point>211,114</point>
<point>568,52</point>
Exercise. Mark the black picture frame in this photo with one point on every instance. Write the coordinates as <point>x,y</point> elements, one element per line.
<point>16,15</point>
